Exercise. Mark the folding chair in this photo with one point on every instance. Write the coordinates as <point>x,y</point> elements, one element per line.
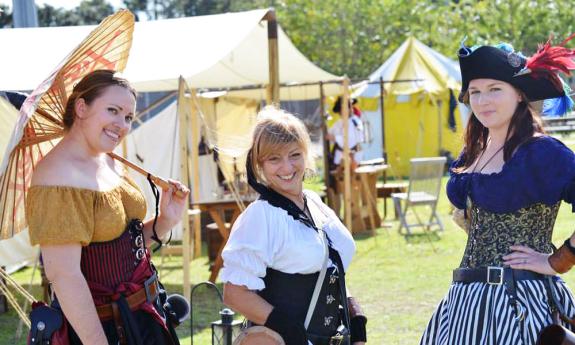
<point>423,191</point>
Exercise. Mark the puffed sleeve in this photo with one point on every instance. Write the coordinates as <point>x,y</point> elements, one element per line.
<point>457,184</point>
<point>552,166</point>
<point>567,163</point>
<point>60,215</point>
<point>250,248</point>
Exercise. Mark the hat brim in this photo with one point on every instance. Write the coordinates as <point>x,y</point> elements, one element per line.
<point>493,63</point>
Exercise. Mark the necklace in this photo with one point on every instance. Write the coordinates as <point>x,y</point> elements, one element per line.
<point>489,160</point>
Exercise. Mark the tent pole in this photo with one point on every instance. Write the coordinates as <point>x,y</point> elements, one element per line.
<point>346,156</point>
<point>273,59</point>
<point>440,125</point>
<point>381,105</point>
<point>184,169</point>
<point>193,163</point>
<point>325,143</point>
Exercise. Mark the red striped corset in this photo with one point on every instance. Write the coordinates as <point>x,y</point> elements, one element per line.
<point>113,262</point>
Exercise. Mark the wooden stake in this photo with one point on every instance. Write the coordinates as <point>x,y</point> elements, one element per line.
<point>182,113</point>
<point>194,165</point>
<point>273,97</point>
<point>382,111</point>
<point>325,143</point>
<point>346,156</point>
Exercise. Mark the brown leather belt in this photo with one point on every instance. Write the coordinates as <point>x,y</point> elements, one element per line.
<point>148,293</point>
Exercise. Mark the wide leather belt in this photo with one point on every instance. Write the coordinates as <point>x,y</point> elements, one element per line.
<point>148,293</point>
<point>493,275</point>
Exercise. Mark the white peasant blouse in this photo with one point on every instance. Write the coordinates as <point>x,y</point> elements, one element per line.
<point>267,236</point>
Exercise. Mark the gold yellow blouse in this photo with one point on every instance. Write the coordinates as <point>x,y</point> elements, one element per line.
<point>64,215</point>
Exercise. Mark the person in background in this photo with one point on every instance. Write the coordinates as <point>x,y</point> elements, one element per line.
<point>355,134</point>
<point>336,138</point>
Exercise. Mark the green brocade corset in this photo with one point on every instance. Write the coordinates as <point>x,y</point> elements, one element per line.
<point>491,234</point>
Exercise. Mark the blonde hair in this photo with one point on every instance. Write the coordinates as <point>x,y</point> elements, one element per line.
<point>276,128</point>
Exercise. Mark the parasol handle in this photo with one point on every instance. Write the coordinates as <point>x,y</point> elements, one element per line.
<point>156,179</point>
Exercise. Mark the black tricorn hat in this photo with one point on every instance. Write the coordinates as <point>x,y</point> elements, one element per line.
<point>503,63</point>
<point>337,105</point>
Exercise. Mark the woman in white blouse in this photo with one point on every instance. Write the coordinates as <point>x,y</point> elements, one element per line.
<point>277,251</point>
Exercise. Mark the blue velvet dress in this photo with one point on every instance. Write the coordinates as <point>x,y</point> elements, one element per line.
<point>517,205</point>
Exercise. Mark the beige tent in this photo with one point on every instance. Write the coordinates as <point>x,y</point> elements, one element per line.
<point>15,251</point>
<point>217,51</point>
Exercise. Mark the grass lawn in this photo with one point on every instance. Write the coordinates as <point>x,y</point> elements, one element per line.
<point>398,282</point>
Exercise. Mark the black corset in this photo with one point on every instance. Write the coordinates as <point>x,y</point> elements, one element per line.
<point>291,293</point>
<point>491,234</point>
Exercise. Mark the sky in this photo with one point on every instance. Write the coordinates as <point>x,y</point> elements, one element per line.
<point>68,4</point>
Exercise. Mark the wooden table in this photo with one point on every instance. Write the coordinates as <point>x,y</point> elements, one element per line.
<point>368,175</point>
<point>216,210</point>
<point>364,215</point>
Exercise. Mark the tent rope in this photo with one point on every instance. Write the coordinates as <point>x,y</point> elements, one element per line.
<point>16,286</point>
<point>14,303</point>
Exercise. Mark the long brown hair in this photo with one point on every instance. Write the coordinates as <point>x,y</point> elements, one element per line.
<point>525,122</point>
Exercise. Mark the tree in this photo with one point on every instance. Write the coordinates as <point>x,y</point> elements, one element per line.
<point>354,37</point>
<point>5,17</point>
<point>89,12</point>
<point>93,11</point>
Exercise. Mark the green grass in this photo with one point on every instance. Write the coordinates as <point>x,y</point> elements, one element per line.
<point>398,282</point>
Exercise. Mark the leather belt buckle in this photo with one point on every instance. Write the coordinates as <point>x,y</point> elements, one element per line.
<point>494,275</point>
<point>152,294</point>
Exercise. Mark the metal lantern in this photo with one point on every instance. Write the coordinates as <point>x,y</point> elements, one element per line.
<point>224,331</point>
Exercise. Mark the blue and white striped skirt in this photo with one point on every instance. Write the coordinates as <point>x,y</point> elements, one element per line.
<point>480,314</point>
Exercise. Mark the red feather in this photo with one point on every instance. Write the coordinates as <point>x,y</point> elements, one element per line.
<point>552,59</point>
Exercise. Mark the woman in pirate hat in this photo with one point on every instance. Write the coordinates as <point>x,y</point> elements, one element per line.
<point>508,184</point>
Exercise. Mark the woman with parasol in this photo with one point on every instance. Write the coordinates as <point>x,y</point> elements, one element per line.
<point>84,212</point>
<point>81,206</point>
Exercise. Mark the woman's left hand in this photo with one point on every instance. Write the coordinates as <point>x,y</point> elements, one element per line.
<point>173,205</point>
<point>525,258</point>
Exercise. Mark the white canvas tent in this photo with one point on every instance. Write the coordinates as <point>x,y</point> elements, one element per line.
<point>217,51</point>
<point>228,52</point>
<point>161,155</point>
<point>16,251</point>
